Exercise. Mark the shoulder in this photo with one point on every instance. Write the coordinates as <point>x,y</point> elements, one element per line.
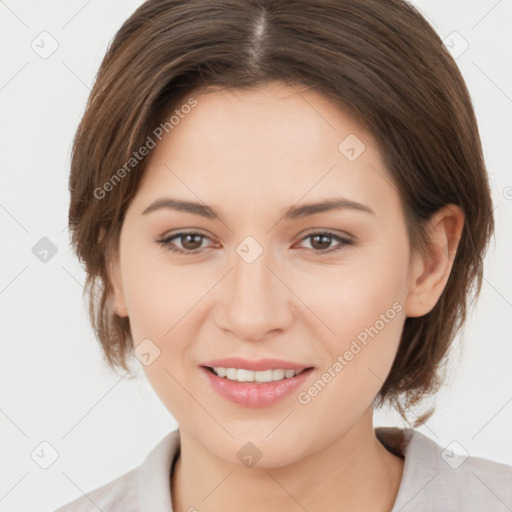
<point>448,478</point>
<point>119,494</point>
<point>146,487</point>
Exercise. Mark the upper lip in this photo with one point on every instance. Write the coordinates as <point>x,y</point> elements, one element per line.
<point>257,365</point>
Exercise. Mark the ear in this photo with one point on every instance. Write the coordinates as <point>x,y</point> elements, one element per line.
<point>430,271</point>
<point>114,275</point>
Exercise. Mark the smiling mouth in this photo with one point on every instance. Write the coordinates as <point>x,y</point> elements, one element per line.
<point>261,376</point>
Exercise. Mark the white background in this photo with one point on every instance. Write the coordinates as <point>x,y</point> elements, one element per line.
<point>54,387</point>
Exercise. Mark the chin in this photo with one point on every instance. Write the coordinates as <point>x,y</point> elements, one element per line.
<point>253,446</point>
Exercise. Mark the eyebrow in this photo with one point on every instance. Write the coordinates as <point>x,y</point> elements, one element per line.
<point>294,212</point>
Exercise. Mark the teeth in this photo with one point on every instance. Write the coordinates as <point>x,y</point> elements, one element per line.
<point>231,373</point>
<point>242,375</point>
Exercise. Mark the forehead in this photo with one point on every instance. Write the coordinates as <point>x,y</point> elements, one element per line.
<point>276,144</point>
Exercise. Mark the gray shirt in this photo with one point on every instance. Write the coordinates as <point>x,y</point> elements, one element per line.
<point>434,479</point>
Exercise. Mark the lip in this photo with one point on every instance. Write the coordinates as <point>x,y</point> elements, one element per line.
<point>255,394</point>
<point>259,365</point>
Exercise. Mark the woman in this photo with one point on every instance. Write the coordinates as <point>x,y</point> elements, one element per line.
<point>282,208</point>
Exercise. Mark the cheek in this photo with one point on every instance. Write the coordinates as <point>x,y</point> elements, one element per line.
<point>158,294</point>
<point>363,307</point>
<point>163,303</point>
<point>162,320</point>
<point>367,323</point>
<point>368,328</point>
<point>348,299</point>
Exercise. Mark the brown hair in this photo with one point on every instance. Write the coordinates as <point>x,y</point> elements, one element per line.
<point>378,59</point>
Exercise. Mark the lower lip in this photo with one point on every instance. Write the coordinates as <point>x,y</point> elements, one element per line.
<point>255,394</point>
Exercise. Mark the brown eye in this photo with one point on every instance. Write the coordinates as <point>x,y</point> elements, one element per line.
<point>321,242</point>
<point>190,242</point>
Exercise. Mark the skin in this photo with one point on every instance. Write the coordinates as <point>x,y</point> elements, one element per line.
<point>250,155</point>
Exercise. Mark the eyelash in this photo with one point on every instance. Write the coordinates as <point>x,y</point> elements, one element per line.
<point>166,242</point>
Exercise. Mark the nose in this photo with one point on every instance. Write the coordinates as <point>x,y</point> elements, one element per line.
<point>256,300</point>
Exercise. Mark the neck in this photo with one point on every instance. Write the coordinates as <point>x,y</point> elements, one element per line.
<point>355,472</point>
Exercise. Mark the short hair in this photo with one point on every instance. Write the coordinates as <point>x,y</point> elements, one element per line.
<point>378,60</point>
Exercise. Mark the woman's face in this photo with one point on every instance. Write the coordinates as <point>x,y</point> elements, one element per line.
<point>317,288</point>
